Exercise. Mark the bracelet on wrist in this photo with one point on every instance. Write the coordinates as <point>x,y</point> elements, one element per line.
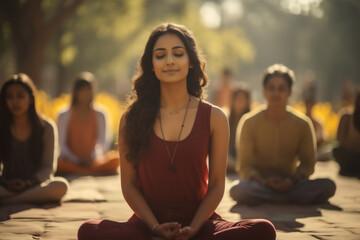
<point>154,227</point>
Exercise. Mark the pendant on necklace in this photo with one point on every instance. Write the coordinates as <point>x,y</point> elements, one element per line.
<point>172,167</point>
<point>174,113</point>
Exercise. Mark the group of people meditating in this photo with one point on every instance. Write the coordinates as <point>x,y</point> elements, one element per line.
<point>173,148</point>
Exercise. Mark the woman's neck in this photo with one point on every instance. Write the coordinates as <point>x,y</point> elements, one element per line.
<point>21,128</point>
<point>276,114</point>
<point>82,107</point>
<point>173,96</point>
<point>21,121</point>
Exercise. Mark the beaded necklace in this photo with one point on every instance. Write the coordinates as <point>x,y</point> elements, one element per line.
<point>172,165</point>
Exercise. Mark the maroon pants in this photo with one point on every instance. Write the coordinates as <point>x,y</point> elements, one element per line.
<point>256,229</point>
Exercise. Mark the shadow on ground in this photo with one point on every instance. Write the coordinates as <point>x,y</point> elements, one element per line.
<point>284,217</point>
<point>7,210</point>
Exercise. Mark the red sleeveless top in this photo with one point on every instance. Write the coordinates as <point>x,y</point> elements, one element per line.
<point>176,196</point>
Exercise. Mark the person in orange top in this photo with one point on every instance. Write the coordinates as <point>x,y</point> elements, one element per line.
<point>83,134</point>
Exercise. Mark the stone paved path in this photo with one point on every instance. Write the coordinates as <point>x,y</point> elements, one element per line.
<point>100,197</point>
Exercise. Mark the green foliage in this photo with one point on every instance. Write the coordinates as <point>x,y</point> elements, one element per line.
<point>226,47</point>
<point>108,39</point>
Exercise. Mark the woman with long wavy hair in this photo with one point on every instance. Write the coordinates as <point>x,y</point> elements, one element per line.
<point>166,136</point>
<point>28,147</point>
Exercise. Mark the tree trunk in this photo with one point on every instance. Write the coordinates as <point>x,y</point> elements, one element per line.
<point>31,34</point>
<point>30,57</point>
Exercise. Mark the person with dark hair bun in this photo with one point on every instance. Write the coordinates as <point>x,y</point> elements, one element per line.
<point>165,138</point>
<point>347,154</point>
<point>28,147</point>
<point>276,150</point>
<point>84,133</point>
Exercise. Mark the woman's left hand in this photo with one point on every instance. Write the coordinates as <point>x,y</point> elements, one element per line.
<point>186,233</point>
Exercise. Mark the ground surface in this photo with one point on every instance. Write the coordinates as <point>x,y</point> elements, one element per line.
<point>100,197</point>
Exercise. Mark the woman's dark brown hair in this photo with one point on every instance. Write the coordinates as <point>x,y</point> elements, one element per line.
<point>145,97</point>
<point>6,119</point>
<point>83,80</point>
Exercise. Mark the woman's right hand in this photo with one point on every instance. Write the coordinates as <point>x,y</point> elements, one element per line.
<point>167,230</point>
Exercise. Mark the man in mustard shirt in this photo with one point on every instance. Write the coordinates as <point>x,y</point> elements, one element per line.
<point>276,150</point>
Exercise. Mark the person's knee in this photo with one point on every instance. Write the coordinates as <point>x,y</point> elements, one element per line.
<point>330,188</point>
<point>240,191</point>
<point>85,231</point>
<point>235,192</point>
<point>265,228</point>
<point>58,189</point>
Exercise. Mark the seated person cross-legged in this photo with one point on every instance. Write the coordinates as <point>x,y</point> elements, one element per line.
<point>28,148</point>
<point>276,150</point>
<point>347,153</point>
<point>83,134</point>
<point>173,149</point>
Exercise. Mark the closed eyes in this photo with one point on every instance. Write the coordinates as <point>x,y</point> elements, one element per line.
<point>175,54</point>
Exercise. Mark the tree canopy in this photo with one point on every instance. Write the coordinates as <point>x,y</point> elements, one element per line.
<point>61,38</point>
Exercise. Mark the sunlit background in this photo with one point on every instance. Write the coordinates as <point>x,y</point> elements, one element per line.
<point>54,40</point>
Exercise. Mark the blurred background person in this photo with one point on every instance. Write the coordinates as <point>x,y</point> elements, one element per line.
<point>347,95</point>
<point>28,147</point>
<point>224,90</point>
<point>347,153</point>
<point>276,149</point>
<point>240,104</point>
<point>322,146</point>
<point>84,133</point>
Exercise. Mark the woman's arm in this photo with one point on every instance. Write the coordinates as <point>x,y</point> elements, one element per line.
<point>217,170</point>
<point>133,196</point>
<point>307,152</point>
<point>104,134</point>
<point>245,151</point>
<point>50,152</point>
<point>62,123</point>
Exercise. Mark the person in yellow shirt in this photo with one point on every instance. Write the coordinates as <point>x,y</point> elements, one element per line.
<point>276,149</point>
